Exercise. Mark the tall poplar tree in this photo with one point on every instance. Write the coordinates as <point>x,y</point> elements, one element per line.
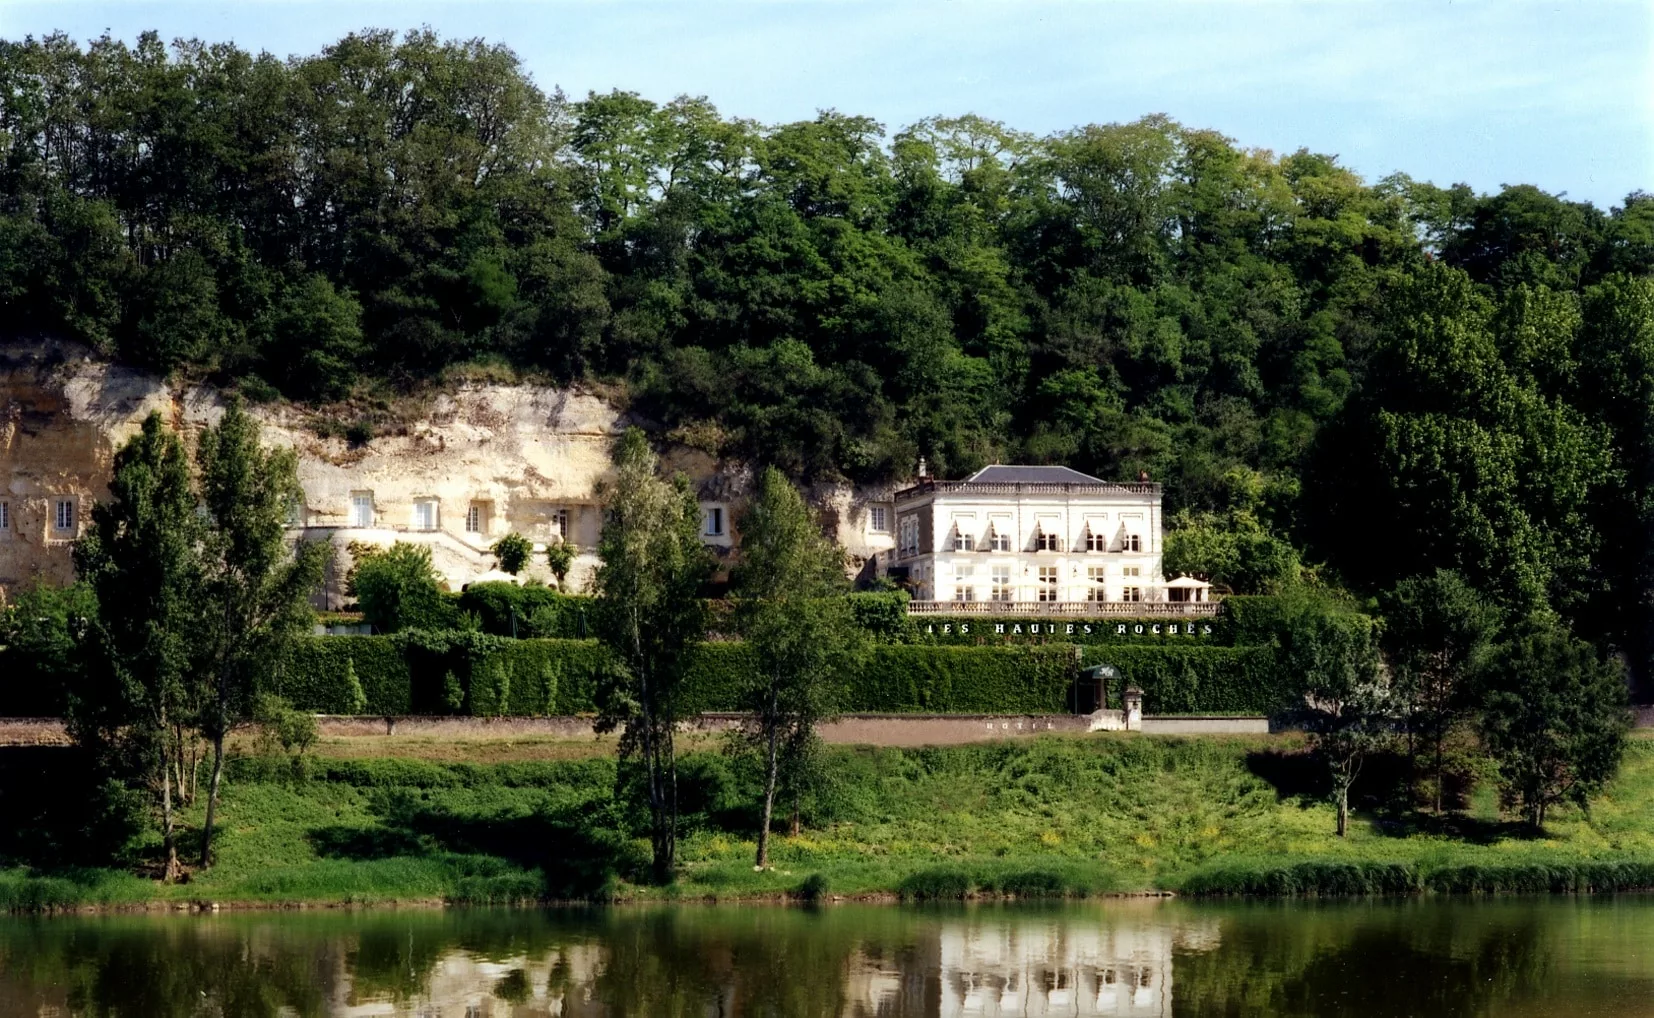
<point>805,640</point>
<point>141,559</point>
<point>650,614</point>
<point>256,591</point>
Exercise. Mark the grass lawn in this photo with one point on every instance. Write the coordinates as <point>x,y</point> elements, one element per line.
<point>404,819</point>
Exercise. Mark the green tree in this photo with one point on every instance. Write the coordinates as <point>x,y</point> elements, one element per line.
<point>512,552</point>
<point>356,699</point>
<point>560,557</point>
<point>37,645</point>
<point>1437,630</point>
<point>650,615</point>
<point>256,588</point>
<point>804,638</point>
<point>397,588</point>
<point>135,689</point>
<point>1554,718</point>
<point>1346,707</point>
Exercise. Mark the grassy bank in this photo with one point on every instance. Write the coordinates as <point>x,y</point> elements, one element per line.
<point>379,821</point>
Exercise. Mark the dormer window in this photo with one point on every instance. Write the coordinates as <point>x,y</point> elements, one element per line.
<point>1044,540</point>
<point>963,540</point>
<point>1132,542</point>
<point>998,540</point>
<point>1095,541</point>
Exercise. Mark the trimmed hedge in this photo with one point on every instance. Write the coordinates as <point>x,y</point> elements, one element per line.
<point>409,673</point>
<point>966,680</point>
<point>507,609</point>
<point>313,676</point>
<point>969,630</point>
<point>1193,680</point>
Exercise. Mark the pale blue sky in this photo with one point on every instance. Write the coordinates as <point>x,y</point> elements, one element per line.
<point>1558,94</point>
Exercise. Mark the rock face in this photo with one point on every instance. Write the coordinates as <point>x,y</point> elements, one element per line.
<point>478,462</point>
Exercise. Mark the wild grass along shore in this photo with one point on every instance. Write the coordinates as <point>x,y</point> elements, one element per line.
<point>394,820</point>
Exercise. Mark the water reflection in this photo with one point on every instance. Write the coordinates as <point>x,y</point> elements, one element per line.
<point>1118,959</point>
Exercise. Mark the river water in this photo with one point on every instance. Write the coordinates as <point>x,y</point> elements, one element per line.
<point>1571,957</point>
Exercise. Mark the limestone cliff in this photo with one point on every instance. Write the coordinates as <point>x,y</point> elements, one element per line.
<point>472,464</point>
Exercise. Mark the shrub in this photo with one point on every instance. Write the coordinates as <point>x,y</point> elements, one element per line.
<point>512,552</point>
<point>814,888</point>
<point>531,610</point>
<point>397,588</point>
<point>884,616</point>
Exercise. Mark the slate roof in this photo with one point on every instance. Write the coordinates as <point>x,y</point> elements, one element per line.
<point>1011,474</point>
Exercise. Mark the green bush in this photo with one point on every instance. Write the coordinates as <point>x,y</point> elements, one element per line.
<point>1254,620</point>
<point>1195,680</point>
<point>527,611</point>
<point>883,614</point>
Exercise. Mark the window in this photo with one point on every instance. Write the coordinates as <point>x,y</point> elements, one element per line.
<point>474,518</point>
<point>878,520</point>
<point>1046,541</point>
<point>713,521</point>
<point>424,514</point>
<point>1047,583</point>
<point>998,538</point>
<point>1002,583</point>
<point>361,509</point>
<point>964,593</point>
<point>5,519</point>
<point>963,540</point>
<point>1095,540</point>
<point>964,588</point>
<point>907,542</point>
<point>1132,571</point>
<point>1132,594</point>
<point>1097,590</point>
<point>1132,543</point>
<point>560,524</point>
<point>63,514</point>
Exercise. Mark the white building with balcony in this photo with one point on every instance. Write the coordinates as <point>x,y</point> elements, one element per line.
<point>1035,540</point>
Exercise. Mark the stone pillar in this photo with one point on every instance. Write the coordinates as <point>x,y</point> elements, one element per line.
<point>1134,709</point>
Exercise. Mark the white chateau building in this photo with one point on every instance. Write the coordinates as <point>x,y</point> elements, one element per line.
<point>1028,540</point>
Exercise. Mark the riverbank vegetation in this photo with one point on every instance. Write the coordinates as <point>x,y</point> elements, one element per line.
<point>1053,816</point>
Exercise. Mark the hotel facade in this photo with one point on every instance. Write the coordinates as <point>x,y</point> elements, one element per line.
<point>1037,540</point>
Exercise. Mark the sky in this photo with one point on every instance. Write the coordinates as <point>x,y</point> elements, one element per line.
<point>1557,94</point>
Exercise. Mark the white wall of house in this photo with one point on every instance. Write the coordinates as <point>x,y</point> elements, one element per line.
<point>1102,544</point>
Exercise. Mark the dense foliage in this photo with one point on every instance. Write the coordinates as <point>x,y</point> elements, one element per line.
<point>837,300</point>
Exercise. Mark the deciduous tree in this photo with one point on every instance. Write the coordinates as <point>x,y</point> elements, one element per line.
<point>1554,717</point>
<point>650,614</point>
<point>805,640</point>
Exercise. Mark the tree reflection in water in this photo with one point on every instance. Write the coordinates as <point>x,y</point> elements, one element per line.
<point>1423,958</point>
